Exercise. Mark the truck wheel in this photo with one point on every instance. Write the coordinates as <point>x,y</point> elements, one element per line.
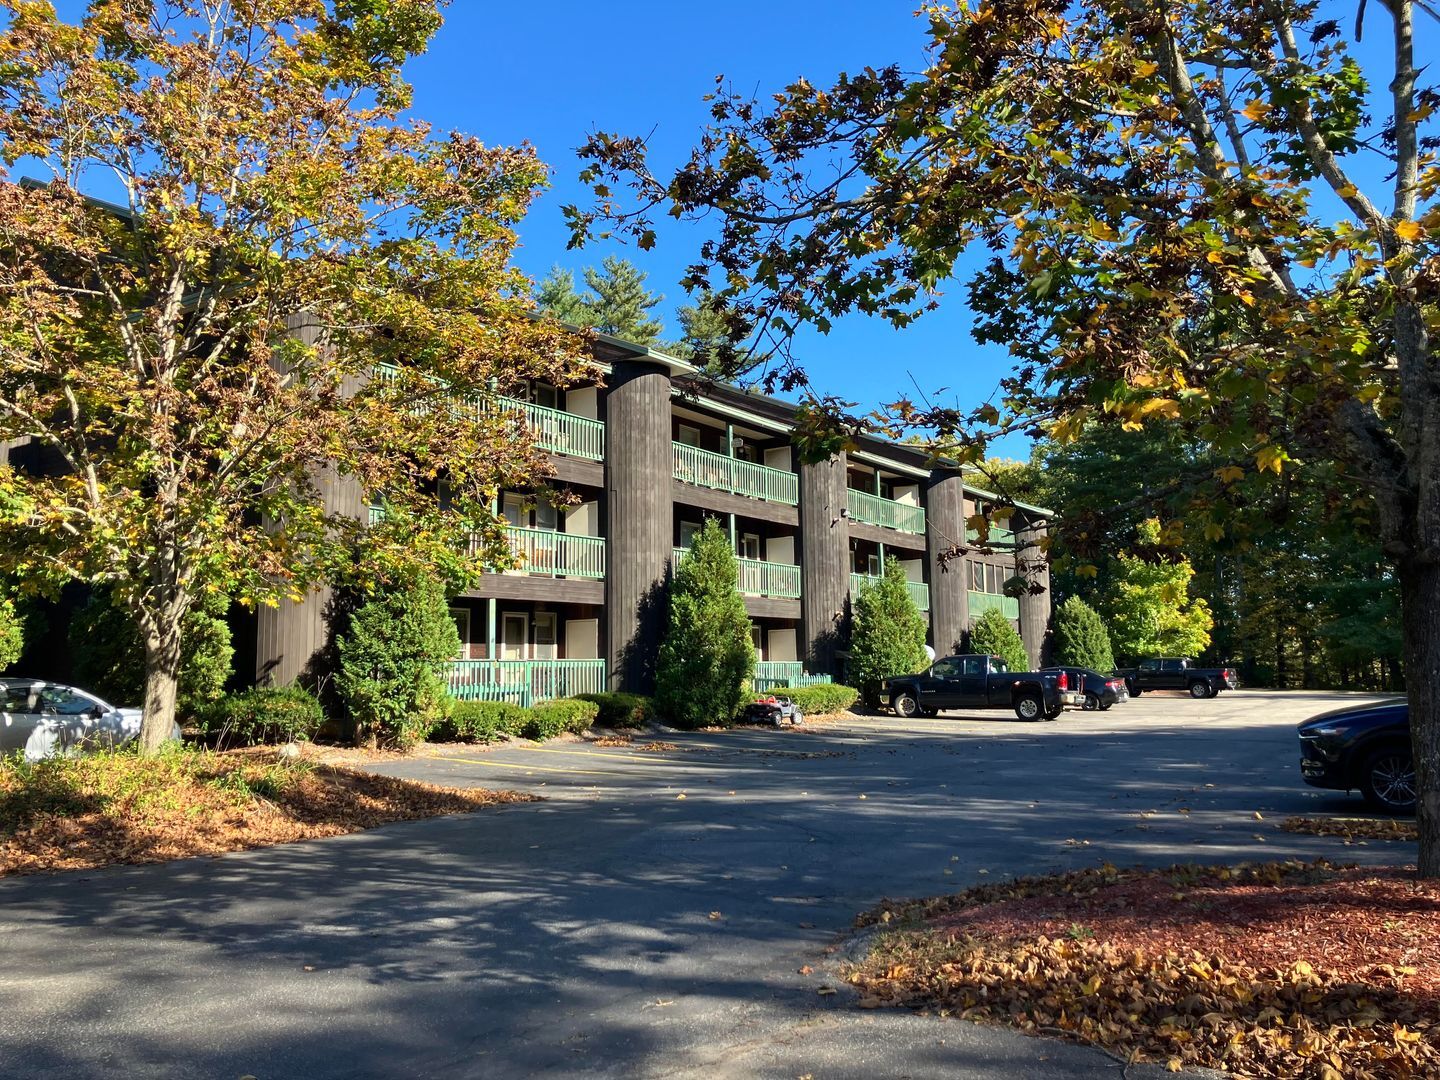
<point>1133,688</point>
<point>1387,780</point>
<point>1092,702</point>
<point>1054,714</point>
<point>1029,707</point>
<point>1200,689</point>
<point>905,705</point>
<point>929,714</point>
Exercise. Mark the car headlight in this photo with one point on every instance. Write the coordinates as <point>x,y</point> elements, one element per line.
<point>1323,733</point>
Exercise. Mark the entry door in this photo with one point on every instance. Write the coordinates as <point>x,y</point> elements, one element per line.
<point>545,648</point>
<point>514,636</point>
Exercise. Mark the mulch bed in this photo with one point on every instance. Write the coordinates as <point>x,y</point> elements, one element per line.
<point>112,808</point>
<point>1276,969</point>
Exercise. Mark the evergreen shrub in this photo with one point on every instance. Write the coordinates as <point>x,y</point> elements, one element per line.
<point>260,717</point>
<point>707,657</point>
<point>821,699</point>
<point>994,634</point>
<point>888,636</point>
<point>621,710</point>
<point>391,655</point>
<point>548,719</point>
<point>1081,639</point>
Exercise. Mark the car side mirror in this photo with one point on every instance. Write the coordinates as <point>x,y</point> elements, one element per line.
<point>97,711</point>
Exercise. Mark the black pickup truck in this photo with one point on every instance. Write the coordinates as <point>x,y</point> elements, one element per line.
<point>1177,673</point>
<point>981,682</point>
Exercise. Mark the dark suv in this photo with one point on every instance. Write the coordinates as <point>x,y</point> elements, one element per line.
<point>1365,747</point>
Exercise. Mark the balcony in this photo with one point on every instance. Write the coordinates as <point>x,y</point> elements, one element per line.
<point>981,602</point>
<point>999,538</point>
<point>557,554</point>
<point>886,513</point>
<point>704,468</point>
<point>524,682</point>
<point>770,674</point>
<point>554,429</point>
<point>560,432</point>
<point>760,578</point>
<point>918,590</point>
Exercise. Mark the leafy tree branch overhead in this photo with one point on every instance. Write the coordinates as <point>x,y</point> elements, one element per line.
<point>193,354</point>
<point>1210,215</point>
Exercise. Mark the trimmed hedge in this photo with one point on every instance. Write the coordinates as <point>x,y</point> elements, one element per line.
<point>820,699</point>
<point>260,716</point>
<point>550,718</point>
<point>619,710</point>
<point>487,721</point>
<point>481,721</point>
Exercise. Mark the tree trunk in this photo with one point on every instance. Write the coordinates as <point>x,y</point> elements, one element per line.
<point>1420,599</point>
<point>162,681</point>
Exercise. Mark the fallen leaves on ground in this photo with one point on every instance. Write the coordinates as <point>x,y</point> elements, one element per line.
<point>1289,969</point>
<point>1354,828</point>
<point>613,740</point>
<point>658,747</point>
<point>118,807</point>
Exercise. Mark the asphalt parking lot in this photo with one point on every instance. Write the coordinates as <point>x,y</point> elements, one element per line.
<point>653,916</point>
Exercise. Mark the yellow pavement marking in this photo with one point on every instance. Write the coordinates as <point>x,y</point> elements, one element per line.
<point>516,765</point>
<point>577,753</point>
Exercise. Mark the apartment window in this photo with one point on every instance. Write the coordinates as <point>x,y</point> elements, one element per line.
<point>688,531</point>
<point>545,395</point>
<point>688,435</point>
<point>515,511</point>
<point>987,579</point>
<point>749,546</point>
<point>755,640</point>
<point>872,565</point>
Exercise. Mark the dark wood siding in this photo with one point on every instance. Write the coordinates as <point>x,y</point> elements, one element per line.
<point>949,582</point>
<point>637,473</point>
<point>825,562</point>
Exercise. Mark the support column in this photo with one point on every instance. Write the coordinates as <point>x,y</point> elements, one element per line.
<point>288,636</point>
<point>638,468</point>
<point>1032,564</point>
<point>949,580</point>
<point>825,563</point>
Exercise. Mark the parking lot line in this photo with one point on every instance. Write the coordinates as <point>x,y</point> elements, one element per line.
<point>577,753</point>
<point>517,765</point>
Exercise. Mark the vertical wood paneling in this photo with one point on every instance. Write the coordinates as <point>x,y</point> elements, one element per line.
<point>825,563</point>
<point>949,584</point>
<point>1034,607</point>
<point>637,481</point>
<point>288,636</point>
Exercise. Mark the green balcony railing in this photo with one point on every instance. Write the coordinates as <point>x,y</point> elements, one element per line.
<point>557,554</point>
<point>770,674</point>
<point>918,590</point>
<point>705,468</point>
<point>760,578</point>
<point>554,429</point>
<point>886,513</point>
<point>999,538</point>
<point>524,681</point>
<point>560,432</point>
<point>981,602</point>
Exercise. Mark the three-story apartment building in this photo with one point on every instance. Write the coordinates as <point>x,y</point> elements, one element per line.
<point>646,456</point>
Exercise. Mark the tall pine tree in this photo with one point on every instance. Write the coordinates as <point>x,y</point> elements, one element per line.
<point>707,657</point>
<point>888,637</point>
<point>1081,639</point>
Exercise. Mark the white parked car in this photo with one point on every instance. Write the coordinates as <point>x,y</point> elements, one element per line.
<point>45,719</point>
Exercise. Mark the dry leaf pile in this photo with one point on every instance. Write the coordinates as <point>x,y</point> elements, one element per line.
<point>1354,828</point>
<point>82,813</point>
<point>1299,970</point>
